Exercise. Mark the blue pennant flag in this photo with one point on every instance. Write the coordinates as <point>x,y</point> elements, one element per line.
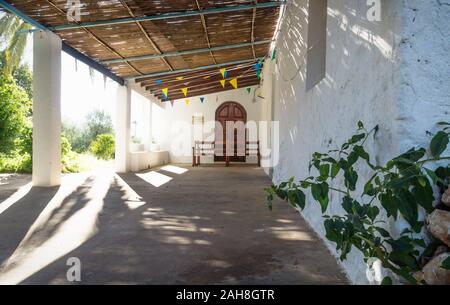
<point>202,99</point>
<point>158,82</point>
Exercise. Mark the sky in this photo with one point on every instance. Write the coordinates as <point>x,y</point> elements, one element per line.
<point>80,93</point>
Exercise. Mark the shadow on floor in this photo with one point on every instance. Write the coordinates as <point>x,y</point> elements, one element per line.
<point>208,225</point>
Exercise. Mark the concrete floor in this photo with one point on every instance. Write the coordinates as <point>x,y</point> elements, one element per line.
<point>206,225</point>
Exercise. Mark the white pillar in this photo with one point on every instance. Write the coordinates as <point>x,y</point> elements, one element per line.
<point>123,133</point>
<point>147,121</point>
<point>46,109</point>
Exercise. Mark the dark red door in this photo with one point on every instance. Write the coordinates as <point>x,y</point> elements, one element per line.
<point>231,112</point>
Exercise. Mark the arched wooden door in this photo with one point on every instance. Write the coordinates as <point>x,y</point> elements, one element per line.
<point>234,112</point>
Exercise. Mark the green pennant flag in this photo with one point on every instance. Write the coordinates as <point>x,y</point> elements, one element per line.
<point>248,90</point>
<point>274,54</point>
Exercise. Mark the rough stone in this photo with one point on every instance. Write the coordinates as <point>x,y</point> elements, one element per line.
<point>440,250</point>
<point>439,225</point>
<point>446,197</point>
<point>434,274</point>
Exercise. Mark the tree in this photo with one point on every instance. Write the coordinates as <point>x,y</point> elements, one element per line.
<point>103,147</point>
<point>15,107</point>
<point>98,122</point>
<point>15,41</point>
<point>24,79</point>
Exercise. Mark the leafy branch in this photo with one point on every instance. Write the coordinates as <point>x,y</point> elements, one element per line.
<point>401,187</point>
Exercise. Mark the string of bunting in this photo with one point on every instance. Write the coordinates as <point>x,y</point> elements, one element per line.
<point>224,72</point>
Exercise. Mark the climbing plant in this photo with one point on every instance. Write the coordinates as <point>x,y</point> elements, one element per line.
<point>400,188</point>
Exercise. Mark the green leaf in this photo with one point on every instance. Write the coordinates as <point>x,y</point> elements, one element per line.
<point>347,204</point>
<point>439,144</point>
<point>407,207</point>
<point>373,212</point>
<point>389,203</point>
<point>335,168</point>
<point>352,158</point>
<point>324,171</point>
<point>446,263</point>
<point>434,178</point>
<point>359,150</point>
<point>320,194</point>
<point>351,178</point>
<point>383,232</point>
<point>297,198</point>
<point>423,195</point>
<point>387,281</point>
<point>357,138</point>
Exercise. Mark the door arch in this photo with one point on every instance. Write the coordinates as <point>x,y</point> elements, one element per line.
<point>234,112</point>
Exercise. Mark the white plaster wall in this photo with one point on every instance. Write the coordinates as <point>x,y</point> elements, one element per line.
<point>170,129</point>
<point>361,83</point>
<point>393,73</point>
<point>424,96</point>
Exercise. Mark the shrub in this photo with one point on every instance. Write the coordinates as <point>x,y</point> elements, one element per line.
<point>400,188</point>
<point>103,146</point>
<point>69,159</point>
<point>15,107</point>
<point>16,163</point>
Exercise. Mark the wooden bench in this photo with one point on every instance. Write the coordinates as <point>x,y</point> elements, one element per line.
<point>203,148</point>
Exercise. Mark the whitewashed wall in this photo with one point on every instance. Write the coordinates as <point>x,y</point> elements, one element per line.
<point>393,73</point>
<point>174,116</point>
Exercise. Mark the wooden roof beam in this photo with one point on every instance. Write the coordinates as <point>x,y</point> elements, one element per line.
<point>205,28</point>
<point>226,9</point>
<point>147,36</point>
<point>95,37</point>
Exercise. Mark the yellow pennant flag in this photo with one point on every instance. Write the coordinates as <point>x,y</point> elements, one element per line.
<point>234,83</point>
<point>222,82</point>
<point>222,71</point>
<point>180,78</point>
<point>187,101</point>
<point>165,91</point>
<point>184,90</point>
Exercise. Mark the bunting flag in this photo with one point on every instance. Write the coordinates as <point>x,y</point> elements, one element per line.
<point>222,82</point>
<point>185,91</point>
<point>187,101</point>
<point>158,82</point>
<point>202,99</point>
<point>258,74</point>
<point>165,91</point>
<point>180,78</point>
<point>274,54</point>
<point>223,71</point>
<point>225,75</point>
<point>257,67</point>
<point>248,90</point>
<point>234,83</point>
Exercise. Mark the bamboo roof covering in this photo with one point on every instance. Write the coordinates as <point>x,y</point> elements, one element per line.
<point>146,49</point>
